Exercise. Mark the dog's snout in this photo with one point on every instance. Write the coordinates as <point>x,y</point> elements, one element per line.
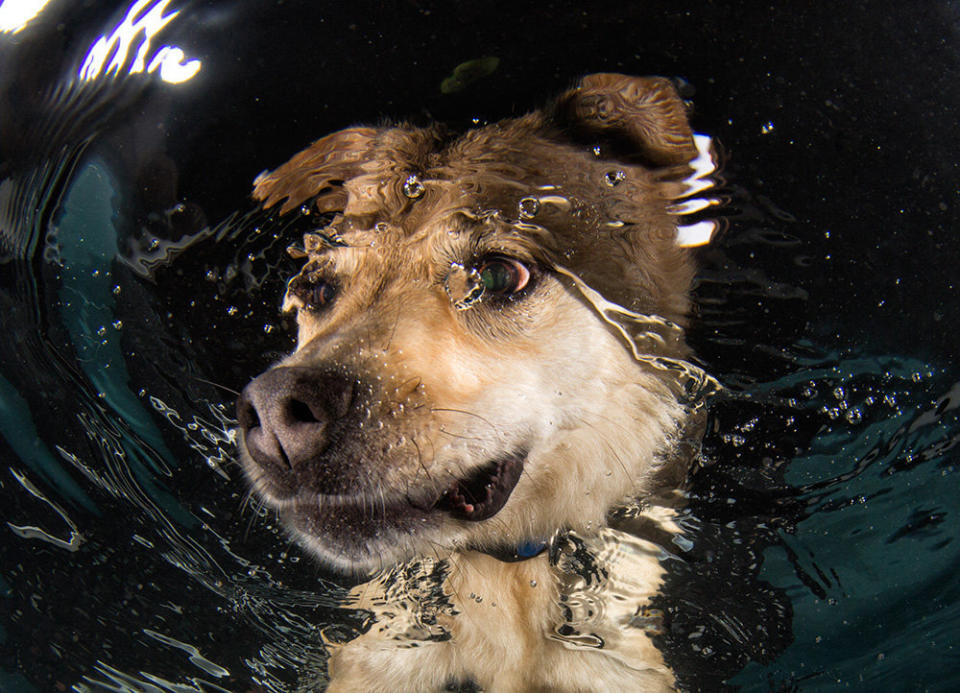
<point>286,415</point>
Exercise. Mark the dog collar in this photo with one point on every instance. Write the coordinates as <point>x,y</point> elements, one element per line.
<point>522,552</point>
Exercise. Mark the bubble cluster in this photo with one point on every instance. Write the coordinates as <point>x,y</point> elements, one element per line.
<point>413,187</point>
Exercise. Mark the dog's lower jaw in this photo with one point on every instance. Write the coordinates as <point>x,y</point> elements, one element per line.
<point>356,539</point>
<point>359,534</point>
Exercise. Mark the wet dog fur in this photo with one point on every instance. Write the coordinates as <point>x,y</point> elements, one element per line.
<point>458,390</point>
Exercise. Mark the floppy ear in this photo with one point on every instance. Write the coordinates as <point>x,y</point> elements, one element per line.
<point>318,171</point>
<point>647,112</point>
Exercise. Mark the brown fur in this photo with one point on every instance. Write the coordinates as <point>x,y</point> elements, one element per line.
<point>404,384</point>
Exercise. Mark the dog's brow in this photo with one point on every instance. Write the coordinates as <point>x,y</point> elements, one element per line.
<point>490,230</point>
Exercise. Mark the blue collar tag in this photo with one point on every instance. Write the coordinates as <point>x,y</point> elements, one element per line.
<point>530,549</point>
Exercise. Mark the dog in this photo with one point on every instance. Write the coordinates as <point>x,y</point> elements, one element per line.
<point>490,364</point>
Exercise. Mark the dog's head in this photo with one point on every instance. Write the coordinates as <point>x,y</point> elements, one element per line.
<point>459,380</point>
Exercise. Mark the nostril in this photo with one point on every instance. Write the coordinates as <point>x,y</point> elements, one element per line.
<point>301,412</point>
<point>246,414</point>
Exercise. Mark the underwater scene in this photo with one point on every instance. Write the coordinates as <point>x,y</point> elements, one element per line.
<point>807,544</point>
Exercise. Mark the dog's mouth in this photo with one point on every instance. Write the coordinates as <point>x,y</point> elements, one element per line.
<point>483,493</point>
<point>354,533</point>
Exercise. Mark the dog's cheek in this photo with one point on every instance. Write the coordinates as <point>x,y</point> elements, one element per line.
<point>603,431</point>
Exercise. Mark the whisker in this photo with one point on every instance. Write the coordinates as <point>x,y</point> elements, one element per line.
<point>420,458</point>
<point>466,413</point>
<point>222,387</point>
<point>257,506</point>
<point>393,331</point>
<point>454,435</point>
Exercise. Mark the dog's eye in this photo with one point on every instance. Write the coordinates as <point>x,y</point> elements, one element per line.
<point>502,275</point>
<point>316,294</point>
<point>320,295</point>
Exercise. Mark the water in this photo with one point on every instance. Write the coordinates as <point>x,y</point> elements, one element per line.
<point>139,288</point>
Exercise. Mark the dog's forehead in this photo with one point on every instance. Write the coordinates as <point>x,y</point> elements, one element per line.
<point>418,201</point>
<point>528,183</point>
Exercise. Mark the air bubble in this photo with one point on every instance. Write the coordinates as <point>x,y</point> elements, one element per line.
<point>413,188</point>
<point>614,178</point>
<point>529,207</point>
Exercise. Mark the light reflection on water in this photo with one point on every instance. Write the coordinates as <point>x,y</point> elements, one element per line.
<point>149,20</point>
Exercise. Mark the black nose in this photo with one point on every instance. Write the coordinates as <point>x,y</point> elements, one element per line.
<point>287,415</point>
